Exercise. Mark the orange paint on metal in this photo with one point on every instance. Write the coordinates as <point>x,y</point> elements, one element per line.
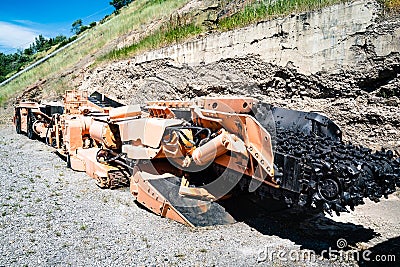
<point>211,150</point>
<point>160,145</point>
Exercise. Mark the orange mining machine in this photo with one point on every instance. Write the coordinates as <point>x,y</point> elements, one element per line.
<point>183,159</point>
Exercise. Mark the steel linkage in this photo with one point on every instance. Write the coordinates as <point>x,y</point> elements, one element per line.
<point>182,159</point>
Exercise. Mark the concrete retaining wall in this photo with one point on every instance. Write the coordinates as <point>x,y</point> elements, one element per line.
<point>328,39</point>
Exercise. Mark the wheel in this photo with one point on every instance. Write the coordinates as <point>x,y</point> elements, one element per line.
<point>31,119</point>
<point>18,121</point>
<point>68,161</point>
<point>329,189</point>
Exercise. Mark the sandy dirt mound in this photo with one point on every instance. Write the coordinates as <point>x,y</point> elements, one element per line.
<point>365,117</point>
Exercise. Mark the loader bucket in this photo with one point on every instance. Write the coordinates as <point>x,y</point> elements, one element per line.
<point>298,121</point>
<point>160,194</point>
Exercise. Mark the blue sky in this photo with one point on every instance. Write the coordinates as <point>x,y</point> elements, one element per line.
<point>22,21</point>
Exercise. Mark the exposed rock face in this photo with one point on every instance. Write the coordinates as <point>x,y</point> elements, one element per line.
<point>342,36</point>
<point>343,61</point>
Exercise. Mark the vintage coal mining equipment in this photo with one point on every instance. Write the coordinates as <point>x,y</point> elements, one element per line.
<point>185,160</point>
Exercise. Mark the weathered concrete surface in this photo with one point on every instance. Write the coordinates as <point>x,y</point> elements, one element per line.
<point>358,87</point>
<point>328,39</point>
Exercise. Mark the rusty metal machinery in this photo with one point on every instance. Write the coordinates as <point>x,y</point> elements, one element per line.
<point>182,159</point>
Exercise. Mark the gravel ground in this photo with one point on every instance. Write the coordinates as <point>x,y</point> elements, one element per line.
<point>53,216</point>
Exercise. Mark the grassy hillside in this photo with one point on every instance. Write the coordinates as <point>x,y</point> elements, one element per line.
<point>131,18</point>
<point>176,30</point>
<point>153,23</point>
<point>392,5</point>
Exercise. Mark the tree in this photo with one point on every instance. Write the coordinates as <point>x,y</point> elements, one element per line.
<point>17,61</point>
<point>29,51</point>
<point>59,39</point>
<point>76,26</point>
<point>118,4</point>
<point>40,43</point>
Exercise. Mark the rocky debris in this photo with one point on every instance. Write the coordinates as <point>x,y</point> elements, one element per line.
<point>391,89</point>
<point>209,12</point>
<point>51,215</point>
<point>6,115</point>
<point>361,114</point>
<point>32,93</point>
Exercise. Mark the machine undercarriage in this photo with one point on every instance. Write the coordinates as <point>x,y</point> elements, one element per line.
<point>183,159</point>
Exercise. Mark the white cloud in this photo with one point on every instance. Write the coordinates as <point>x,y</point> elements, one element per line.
<point>15,37</point>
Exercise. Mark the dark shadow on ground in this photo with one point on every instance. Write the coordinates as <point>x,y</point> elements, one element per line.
<point>310,230</point>
<point>383,254</point>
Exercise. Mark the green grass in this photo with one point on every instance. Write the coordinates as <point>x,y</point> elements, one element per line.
<point>131,18</point>
<point>269,9</point>
<point>392,5</point>
<point>157,39</point>
<point>177,31</point>
<point>97,45</point>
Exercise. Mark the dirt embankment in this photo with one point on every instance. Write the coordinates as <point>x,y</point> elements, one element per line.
<point>365,117</point>
<point>361,95</point>
<point>357,85</point>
